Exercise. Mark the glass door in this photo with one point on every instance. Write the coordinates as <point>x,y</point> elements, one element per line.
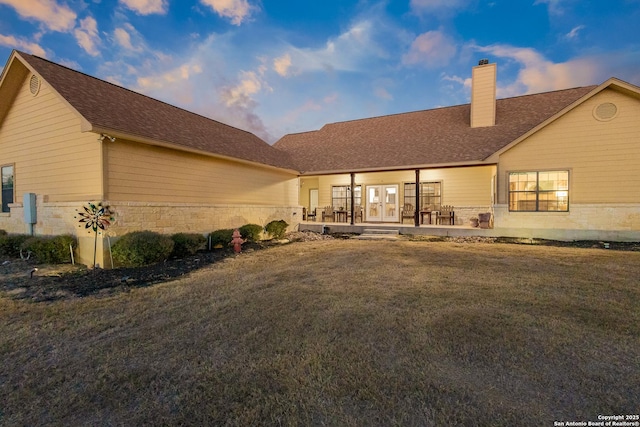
<point>382,203</point>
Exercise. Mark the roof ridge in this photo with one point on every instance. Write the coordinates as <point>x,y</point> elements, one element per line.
<point>136,93</point>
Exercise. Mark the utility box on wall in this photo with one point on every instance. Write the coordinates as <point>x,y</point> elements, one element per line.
<point>29,207</point>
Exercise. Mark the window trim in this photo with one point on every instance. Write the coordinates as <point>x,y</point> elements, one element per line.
<point>347,189</point>
<point>537,190</point>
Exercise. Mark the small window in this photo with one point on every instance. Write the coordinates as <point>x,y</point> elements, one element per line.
<point>540,191</point>
<point>7,187</point>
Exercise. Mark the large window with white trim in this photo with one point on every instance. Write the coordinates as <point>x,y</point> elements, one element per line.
<point>539,191</point>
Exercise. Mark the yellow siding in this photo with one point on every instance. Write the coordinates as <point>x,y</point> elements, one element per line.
<point>469,186</point>
<point>602,156</point>
<point>41,137</point>
<point>307,184</point>
<point>483,95</point>
<point>144,173</point>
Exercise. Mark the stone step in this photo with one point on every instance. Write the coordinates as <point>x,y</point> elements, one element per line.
<point>378,234</point>
<point>386,231</point>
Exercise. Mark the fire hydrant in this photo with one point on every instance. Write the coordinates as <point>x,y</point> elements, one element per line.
<point>237,241</point>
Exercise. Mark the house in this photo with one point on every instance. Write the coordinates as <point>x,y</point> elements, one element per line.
<point>558,165</point>
<point>70,139</point>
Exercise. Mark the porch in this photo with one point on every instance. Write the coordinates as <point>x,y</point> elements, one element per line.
<point>406,228</point>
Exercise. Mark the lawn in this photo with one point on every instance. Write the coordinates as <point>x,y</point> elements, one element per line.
<point>340,332</point>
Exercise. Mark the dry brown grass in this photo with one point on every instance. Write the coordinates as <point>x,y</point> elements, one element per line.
<point>339,333</point>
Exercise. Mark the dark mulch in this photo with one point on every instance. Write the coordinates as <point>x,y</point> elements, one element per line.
<point>50,283</point>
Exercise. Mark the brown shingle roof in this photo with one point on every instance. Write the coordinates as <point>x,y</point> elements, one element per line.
<point>108,106</point>
<point>440,136</point>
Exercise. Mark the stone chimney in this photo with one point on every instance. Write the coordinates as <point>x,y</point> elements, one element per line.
<point>483,94</point>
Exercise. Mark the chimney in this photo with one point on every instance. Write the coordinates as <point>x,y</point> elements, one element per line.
<point>483,94</point>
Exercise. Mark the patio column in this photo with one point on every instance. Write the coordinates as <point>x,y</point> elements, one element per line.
<point>416,215</point>
<point>353,198</point>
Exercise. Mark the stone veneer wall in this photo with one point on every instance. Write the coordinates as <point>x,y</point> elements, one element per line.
<point>167,218</point>
<point>619,222</point>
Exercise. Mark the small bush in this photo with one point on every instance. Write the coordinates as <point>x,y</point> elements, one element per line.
<point>251,232</point>
<point>140,248</point>
<point>10,244</point>
<point>221,237</point>
<point>187,244</point>
<point>49,250</point>
<point>277,228</point>
<point>3,233</point>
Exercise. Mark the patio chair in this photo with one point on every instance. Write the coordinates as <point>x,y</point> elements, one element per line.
<point>328,213</point>
<point>446,213</point>
<point>408,212</point>
<point>311,215</point>
<point>357,213</point>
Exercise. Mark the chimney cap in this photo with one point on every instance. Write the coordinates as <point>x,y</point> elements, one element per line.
<point>483,61</point>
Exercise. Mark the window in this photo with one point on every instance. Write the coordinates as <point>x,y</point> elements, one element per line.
<point>7,187</point>
<point>430,194</point>
<point>539,191</point>
<point>341,196</point>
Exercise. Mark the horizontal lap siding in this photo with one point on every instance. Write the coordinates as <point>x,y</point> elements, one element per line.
<point>41,136</point>
<point>469,186</point>
<point>138,172</point>
<point>603,156</point>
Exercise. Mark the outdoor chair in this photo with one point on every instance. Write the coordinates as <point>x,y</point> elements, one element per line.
<point>408,212</point>
<point>357,213</point>
<point>446,213</point>
<point>311,215</point>
<point>328,213</point>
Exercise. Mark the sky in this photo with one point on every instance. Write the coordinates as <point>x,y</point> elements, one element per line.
<point>274,67</point>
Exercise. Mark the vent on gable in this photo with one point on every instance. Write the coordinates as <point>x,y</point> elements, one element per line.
<point>605,111</point>
<point>34,85</point>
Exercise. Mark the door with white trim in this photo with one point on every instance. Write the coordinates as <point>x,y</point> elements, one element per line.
<point>382,203</point>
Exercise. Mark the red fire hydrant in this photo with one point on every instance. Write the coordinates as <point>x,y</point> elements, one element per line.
<point>237,241</point>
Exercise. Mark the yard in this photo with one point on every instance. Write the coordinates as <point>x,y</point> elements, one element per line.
<point>339,332</point>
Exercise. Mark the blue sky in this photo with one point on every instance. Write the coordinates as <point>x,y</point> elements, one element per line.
<point>275,67</point>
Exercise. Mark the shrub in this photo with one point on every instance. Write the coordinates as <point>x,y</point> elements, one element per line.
<point>10,244</point>
<point>140,248</point>
<point>50,250</point>
<point>3,233</point>
<point>277,228</point>
<point>187,244</point>
<point>221,237</point>
<point>251,232</point>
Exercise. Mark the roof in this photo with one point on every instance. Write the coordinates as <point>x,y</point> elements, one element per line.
<point>437,137</point>
<point>111,108</point>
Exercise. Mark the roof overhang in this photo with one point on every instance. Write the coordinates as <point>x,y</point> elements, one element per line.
<point>400,168</point>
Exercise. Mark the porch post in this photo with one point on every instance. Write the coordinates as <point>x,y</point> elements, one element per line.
<point>353,198</point>
<point>416,216</point>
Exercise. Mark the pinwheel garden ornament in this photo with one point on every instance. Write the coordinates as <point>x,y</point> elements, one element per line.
<point>96,216</point>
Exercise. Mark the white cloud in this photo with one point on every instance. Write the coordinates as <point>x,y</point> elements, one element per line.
<point>282,65</point>
<point>236,10</point>
<point>240,94</point>
<point>574,32</point>
<point>431,49</point>
<point>54,16</point>
<point>538,74</point>
<point>87,36</point>
<point>147,7</point>
<point>29,47</point>
<point>172,77</point>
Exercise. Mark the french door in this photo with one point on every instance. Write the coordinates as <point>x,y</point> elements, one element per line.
<point>382,203</point>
